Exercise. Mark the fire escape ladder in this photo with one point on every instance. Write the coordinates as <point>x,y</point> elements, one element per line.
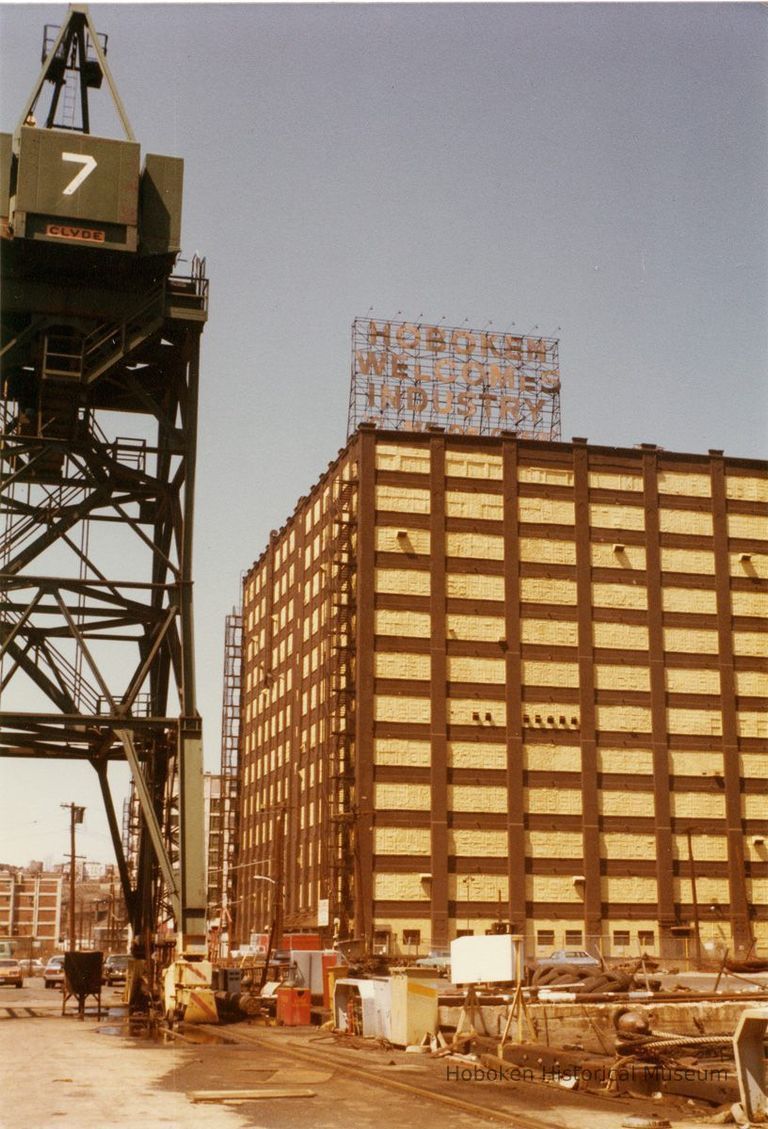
<point>221,882</point>
<point>341,683</point>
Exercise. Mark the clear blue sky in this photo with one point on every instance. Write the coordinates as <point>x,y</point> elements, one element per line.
<point>598,171</point>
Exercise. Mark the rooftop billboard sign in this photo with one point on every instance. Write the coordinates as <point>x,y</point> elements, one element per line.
<point>407,377</point>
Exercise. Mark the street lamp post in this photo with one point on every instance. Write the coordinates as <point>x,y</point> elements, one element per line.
<point>75,816</point>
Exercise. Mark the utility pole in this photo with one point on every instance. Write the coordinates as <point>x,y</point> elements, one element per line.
<point>75,816</point>
<point>111,918</point>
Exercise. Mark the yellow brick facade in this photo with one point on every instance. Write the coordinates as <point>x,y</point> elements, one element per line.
<point>479,546</point>
<point>395,751</point>
<point>413,540</point>
<point>475,754</point>
<point>465,586</point>
<point>476,670</point>
<point>408,501</point>
<point>483,628</point>
<point>486,507</point>
<point>550,674</point>
<point>552,758</point>
<point>537,714</point>
<point>388,664</point>
<point>407,583</point>
<point>685,485</point>
<point>622,677</point>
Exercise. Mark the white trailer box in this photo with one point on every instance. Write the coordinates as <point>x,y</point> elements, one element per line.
<point>494,959</point>
<point>363,1007</point>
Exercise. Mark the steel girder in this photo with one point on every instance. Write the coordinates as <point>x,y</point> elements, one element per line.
<point>96,634</point>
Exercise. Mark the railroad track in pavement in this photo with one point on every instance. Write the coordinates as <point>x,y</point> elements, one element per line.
<point>375,1076</point>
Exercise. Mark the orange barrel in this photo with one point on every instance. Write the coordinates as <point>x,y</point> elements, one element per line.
<point>294,1007</point>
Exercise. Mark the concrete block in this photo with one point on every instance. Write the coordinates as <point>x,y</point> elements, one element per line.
<point>630,636</point>
<point>550,674</point>
<point>697,561</point>
<point>403,623</point>
<point>690,640</point>
<point>408,582</point>
<point>396,750</point>
<point>486,507</point>
<point>604,480</point>
<point>477,798</point>
<point>619,596</point>
<point>686,521</point>
<point>482,546</point>
<point>562,633</point>
<point>546,510</point>
<point>622,677</point>
<point>476,754</point>
<point>547,552</point>
<point>606,516</point>
<point>473,466</point>
<point>746,489</point>
<point>403,499</point>
<point>748,526</point>
<point>470,586</point>
<point>680,484</point>
<point>536,590</point>
<point>410,797</point>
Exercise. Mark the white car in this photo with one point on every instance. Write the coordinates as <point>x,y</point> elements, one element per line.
<point>10,972</point>
<point>53,976</point>
<point>568,956</point>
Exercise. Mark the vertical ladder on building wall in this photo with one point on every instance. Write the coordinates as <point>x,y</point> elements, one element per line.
<point>221,881</point>
<point>341,698</point>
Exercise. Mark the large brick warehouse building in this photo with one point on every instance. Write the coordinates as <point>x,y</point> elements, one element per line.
<point>493,678</point>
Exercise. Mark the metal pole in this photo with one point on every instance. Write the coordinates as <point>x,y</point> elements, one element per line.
<point>111,918</point>
<point>279,887</point>
<point>694,899</point>
<point>72,860</point>
<point>75,816</point>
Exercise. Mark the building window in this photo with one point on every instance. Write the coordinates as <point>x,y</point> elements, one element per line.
<point>411,936</point>
<point>574,937</point>
<point>381,941</point>
<point>465,932</point>
<point>621,938</point>
<point>647,938</point>
<point>545,938</point>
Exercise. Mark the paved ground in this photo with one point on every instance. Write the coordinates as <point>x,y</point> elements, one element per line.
<point>58,1071</point>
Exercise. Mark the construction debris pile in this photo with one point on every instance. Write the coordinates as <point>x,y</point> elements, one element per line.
<point>624,1031</point>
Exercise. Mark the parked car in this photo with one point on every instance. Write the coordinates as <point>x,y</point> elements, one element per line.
<point>32,967</point>
<point>440,963</point>
<point>568,956</point>
<point>115,969</point>
<point>53,973</point>
<point>10,972</point>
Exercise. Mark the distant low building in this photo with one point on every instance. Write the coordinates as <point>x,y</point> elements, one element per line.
<point>31,911</point>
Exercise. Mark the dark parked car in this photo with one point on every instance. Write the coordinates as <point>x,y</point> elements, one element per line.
<point>10,972</point>
<point>115,969</point>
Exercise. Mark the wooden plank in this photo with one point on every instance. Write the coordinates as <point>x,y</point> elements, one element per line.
<point>249,1095</point>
